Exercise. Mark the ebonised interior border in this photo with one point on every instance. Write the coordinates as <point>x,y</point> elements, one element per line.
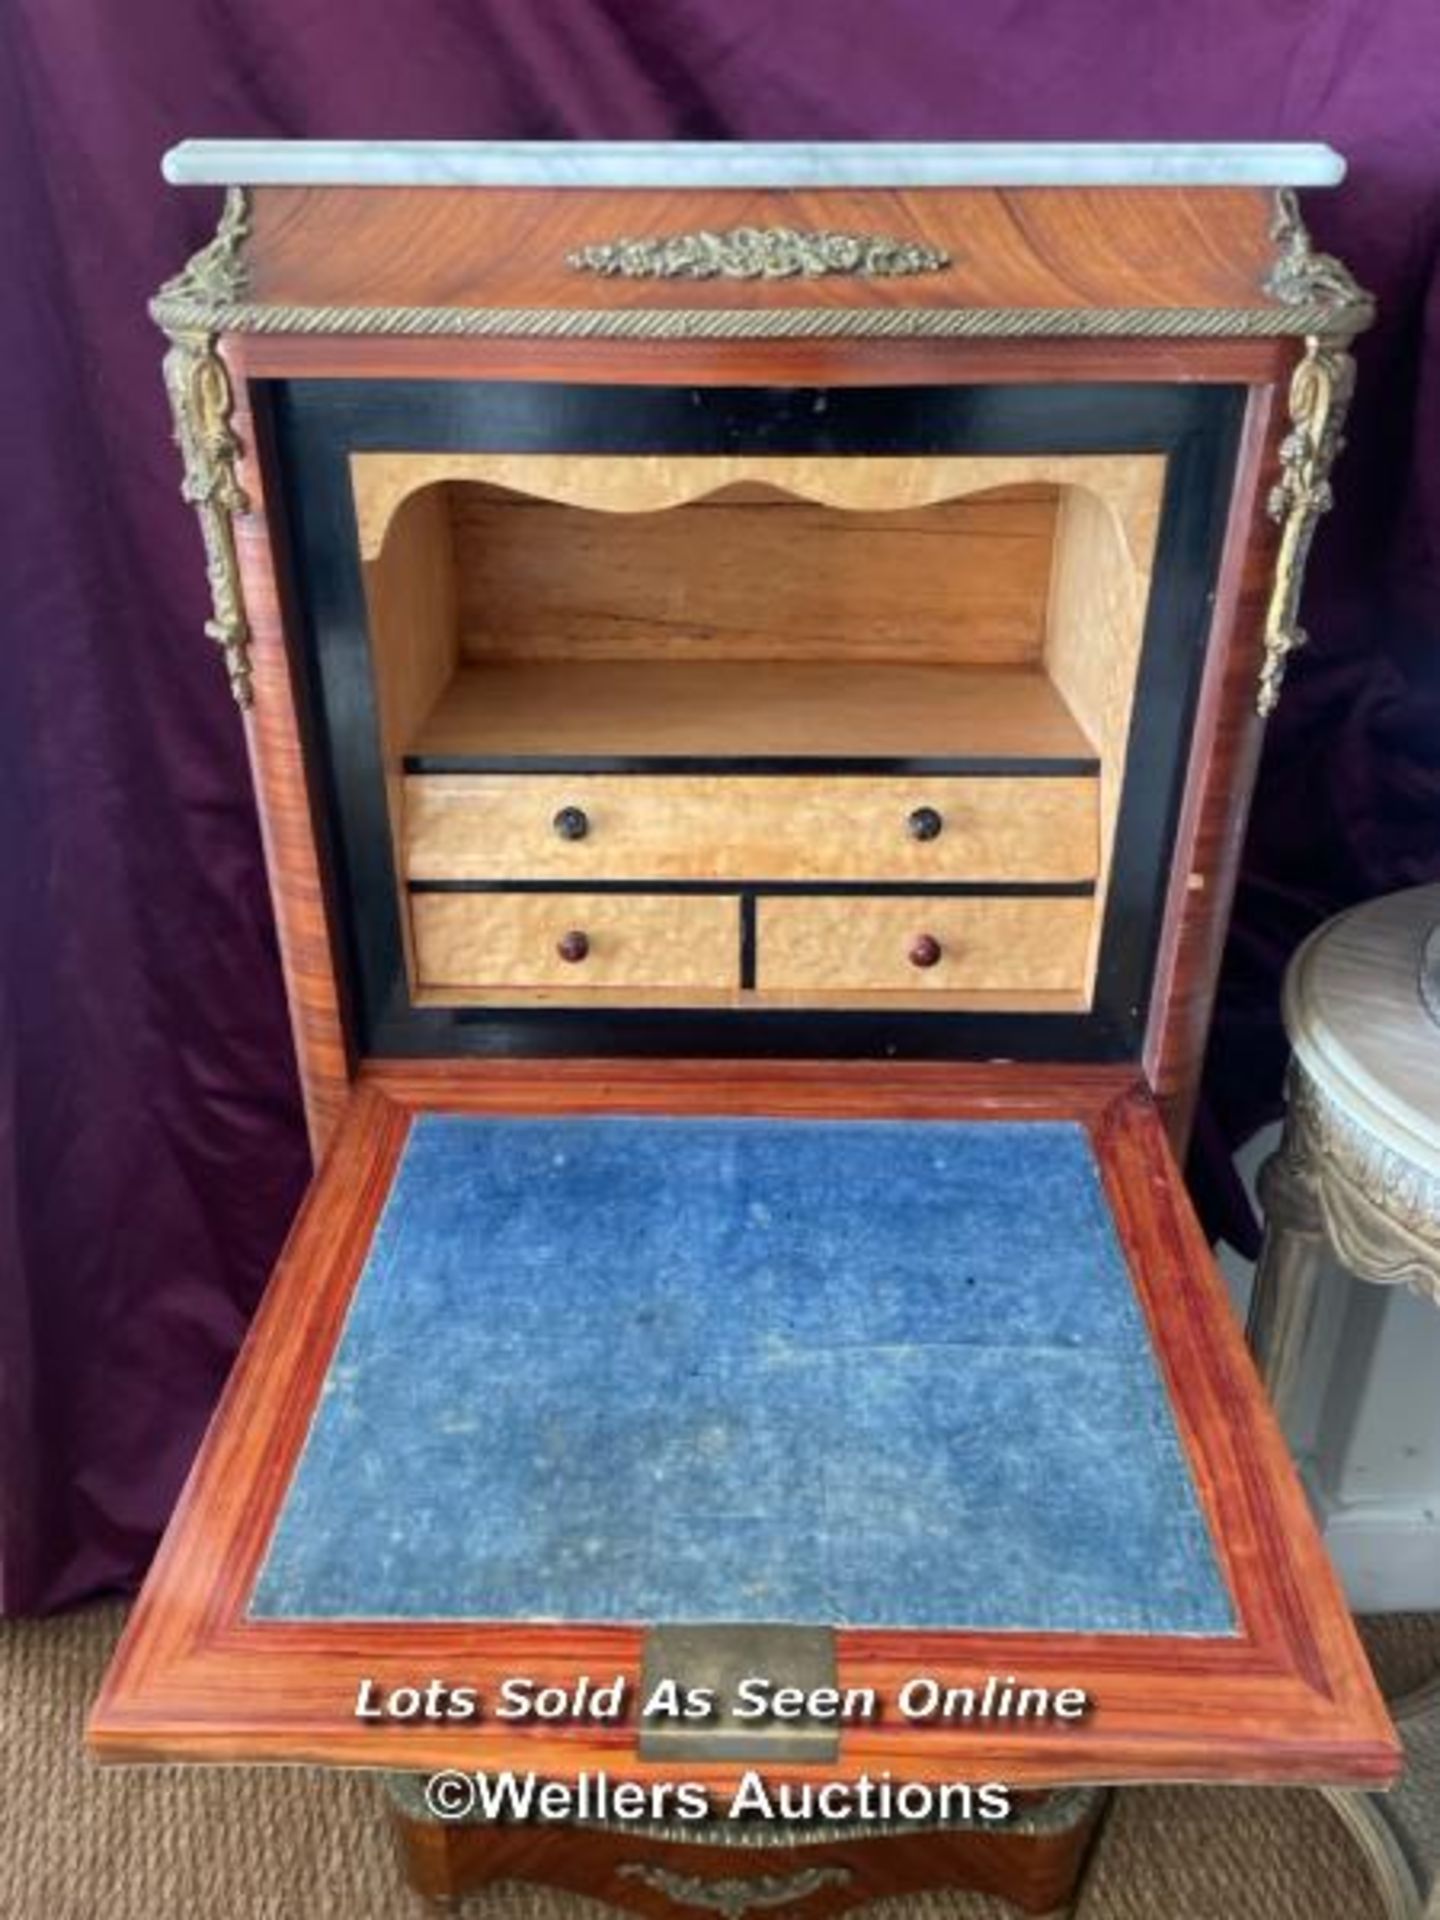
<point>318,424</point>
<point>972,767</point>
<point>747,942</point>
<point>764,889</point>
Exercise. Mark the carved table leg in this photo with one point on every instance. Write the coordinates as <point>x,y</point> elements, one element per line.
<point>430,1861</point>
<point>1287,1278</point>
<point>1399,1832</point>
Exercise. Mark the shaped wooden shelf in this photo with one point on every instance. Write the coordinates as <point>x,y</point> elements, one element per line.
<point>579,713</point>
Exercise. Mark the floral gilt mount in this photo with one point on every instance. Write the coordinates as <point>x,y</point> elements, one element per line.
<point>759,253</point>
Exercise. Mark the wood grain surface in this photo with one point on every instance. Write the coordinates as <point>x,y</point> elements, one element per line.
<point>797,363</point>
<point>1003,945</point>
<point>733,710</point>
<point>1099,592</point>
<point>879,484</point>
<point>762,577</point>
<point>410,608</point>
<point>1036,1873</point>
<point>1219,781</point>
<point>499,826</point>
<point>632,940</point>
<point>1289,1697</point>
<point>289,827</point>
<point>1026,247</point>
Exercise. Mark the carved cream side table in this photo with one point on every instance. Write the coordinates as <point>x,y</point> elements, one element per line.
<point>1357,1174</point>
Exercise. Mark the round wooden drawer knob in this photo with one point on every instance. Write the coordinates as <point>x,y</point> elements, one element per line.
<point>573,946</point>
<point>571,823</point>
<point>926,951</point>
<point>925,824</point>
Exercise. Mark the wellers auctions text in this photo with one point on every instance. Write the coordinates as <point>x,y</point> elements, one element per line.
<point>526,1798</point>
<point>523,1797</point>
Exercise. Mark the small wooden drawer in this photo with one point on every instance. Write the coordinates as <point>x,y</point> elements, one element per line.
<point>750,827</point>
<point>574,940</point>
<point>923,944</point>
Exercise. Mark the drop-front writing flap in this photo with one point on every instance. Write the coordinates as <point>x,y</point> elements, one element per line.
<point>934,1358</point>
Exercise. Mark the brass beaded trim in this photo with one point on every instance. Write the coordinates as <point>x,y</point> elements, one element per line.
<point>176,313</point>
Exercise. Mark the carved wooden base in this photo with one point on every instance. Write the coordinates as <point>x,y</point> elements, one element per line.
<point>1399,1832</point>
<point>1357,1177</point>
<point>1036,1866</point>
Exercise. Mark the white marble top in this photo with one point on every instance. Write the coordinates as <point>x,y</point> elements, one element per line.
<point>660,163</point>
<point>1358,1018</point>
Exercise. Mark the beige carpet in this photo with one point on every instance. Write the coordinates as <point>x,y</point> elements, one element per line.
<point>86,1843</point>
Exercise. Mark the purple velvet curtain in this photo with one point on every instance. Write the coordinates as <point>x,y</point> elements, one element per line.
<point>150,1142</point>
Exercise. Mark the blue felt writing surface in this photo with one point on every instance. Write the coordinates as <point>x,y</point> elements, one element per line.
<point>869,1373</point>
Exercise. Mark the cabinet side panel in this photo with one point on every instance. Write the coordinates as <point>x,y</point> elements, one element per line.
<point>1224,756</point>
<point>1099,591</point>
<point>410,596</point>
<point>288,823</point>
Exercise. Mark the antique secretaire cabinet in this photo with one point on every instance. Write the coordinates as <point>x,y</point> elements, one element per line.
<point>753,660</point>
